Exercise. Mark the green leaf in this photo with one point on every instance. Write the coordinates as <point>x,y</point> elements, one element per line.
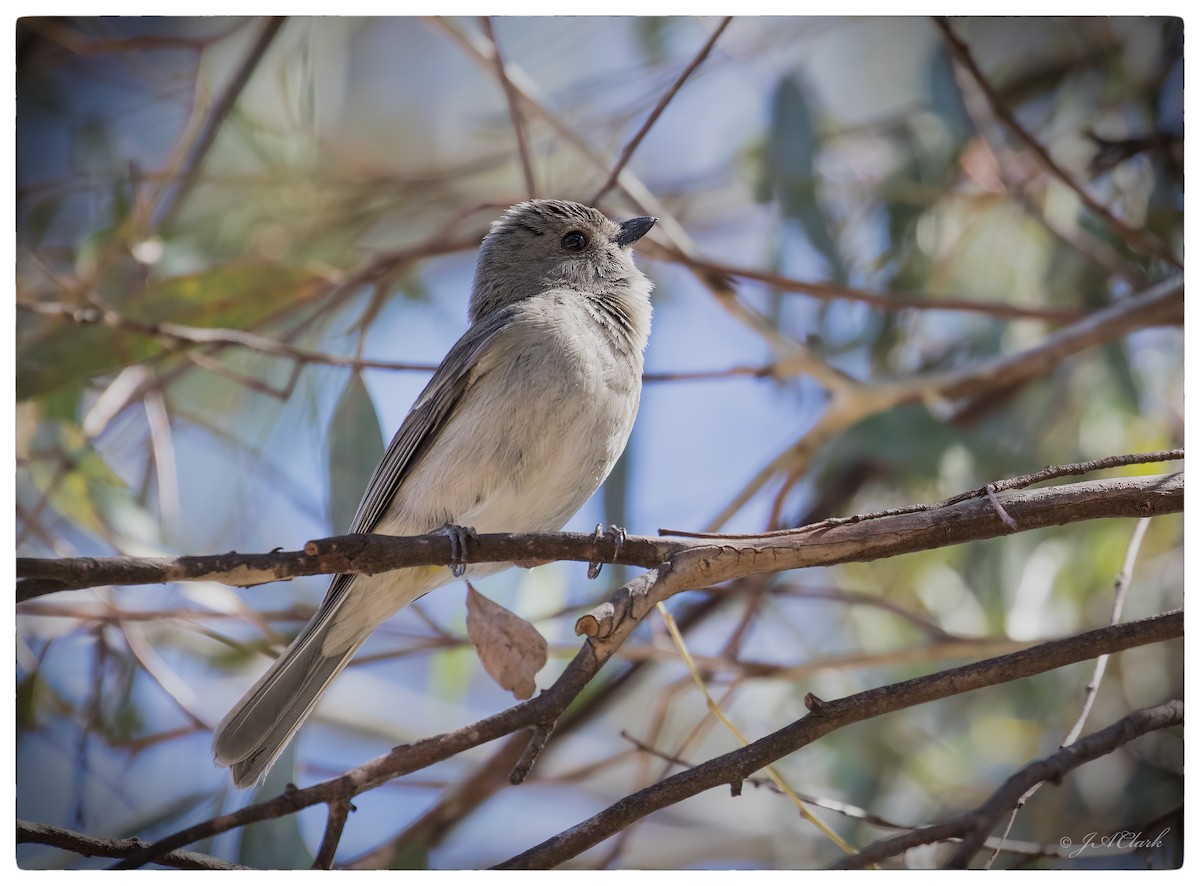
<point>355,448</point>
<point>76,482</point>
<point>791,155</point>
<point>945,98</point>
<point>38,219</point>
<point>650,32</point>
<point>1116,357</point>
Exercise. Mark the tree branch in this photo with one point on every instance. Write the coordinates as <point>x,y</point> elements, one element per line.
<point>708,560</point>
<point>1136,237</point>
<point>632,146</point>
<point>828,716</point>
<point>1161,304</point>
<point>339,811</point>
<point>514,110</point>
<point>90,847</point>
<point>973,827</point>
<point>550,703</point>
<point>884,300</point>
<point>168,206</point>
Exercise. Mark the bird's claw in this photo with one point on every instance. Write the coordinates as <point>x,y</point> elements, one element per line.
<point>458,535</point>
<point>617,534</point>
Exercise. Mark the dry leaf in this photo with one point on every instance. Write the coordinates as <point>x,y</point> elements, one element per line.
<point>511,649</point>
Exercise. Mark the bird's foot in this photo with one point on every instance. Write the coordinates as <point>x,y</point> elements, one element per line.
<point>617,534</point>
<point>459,537</point>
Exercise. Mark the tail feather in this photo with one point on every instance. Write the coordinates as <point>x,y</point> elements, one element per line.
<point>254,733</point>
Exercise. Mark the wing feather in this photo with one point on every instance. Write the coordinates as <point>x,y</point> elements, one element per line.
<point>419,431</point>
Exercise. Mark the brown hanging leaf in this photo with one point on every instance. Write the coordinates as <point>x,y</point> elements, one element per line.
<point>511,649</point>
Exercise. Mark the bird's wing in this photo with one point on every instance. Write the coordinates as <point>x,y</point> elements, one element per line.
<point>421,428</point>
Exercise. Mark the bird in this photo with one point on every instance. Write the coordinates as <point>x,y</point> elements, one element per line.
<point>519,425</point>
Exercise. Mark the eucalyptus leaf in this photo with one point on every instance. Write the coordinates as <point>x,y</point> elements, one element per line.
<point>355,448</point>
<point>792,148</point>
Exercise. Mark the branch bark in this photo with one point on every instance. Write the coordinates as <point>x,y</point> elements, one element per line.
<point>102,847</point>
<point>680,566</point>
<point>973,827</point>
<point>727,769</point>
<point>828,716</point>
<point>708,560</point>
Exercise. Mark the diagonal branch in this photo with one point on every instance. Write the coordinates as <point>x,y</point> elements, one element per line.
<point>827,716</point>
<point>973,827</point>
<point>884,300</point>
<point>1136,237</point>
<point>659,108</point>
<point>1161,304</point>
<point>168,207</point>
<point>180,334</point>
<point>339,811</point>
<point>104,847</point>
<point>514,110</point>
<point>723,770</point>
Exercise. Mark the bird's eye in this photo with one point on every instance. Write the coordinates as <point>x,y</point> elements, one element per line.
<point>574,241</point>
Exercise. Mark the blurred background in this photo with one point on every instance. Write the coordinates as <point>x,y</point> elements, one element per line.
<point>323,183</point>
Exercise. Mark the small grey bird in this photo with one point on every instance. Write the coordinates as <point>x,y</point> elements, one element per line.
<point>520,424</point>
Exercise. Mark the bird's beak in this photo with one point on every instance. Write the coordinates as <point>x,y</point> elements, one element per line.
<point>634,229</point>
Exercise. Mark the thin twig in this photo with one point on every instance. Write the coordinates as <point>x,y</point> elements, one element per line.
<point>1161,304</point>
<point>634,142</point>
<point>339,811</point>
<point>514,110</point>
<point>884,300</point>
<point>1005,516</point>
<point>974,826</point>
<point>1093,247</point>
<point>169,206</point>
<point>1137,237</point>
<point>1050,472</point>
<point>736,765</point>
<point>205,335</point>
<point>1120,588</point>
<point>533,750</point>
<point>102,847</point>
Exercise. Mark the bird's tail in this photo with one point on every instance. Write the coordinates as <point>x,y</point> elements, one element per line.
<point>254,733</point>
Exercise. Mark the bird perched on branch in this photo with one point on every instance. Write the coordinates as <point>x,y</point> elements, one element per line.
<point>520,424</point>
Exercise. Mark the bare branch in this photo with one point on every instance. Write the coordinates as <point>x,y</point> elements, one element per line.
<point>514,110</point>
<point>339,811</point>
<point>1120,587</point>
<point>887,301</point>
<point>1161,304</point>
<point>706,561</point>
<point>973,827</point>
<point>168,207</point>
<point>90,847</point>
<point>632,146</point>
<point>734,767</point>
<point>204,335</point>
<point>1136,237</point>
